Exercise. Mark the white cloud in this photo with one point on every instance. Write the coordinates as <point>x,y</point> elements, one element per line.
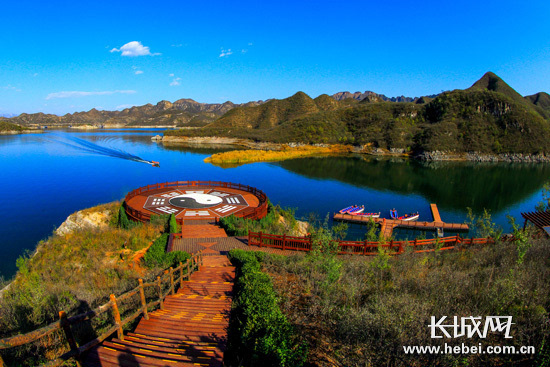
<point>10,87</point>
<point>244,51</point>
<point>226,53</point>
<point>250,43</point>
<point>137,72</point>
<point>72,94</point>
<point>134,48</point>
<point>175,82</point>
<point>177,45</point>
<point>171,74</point>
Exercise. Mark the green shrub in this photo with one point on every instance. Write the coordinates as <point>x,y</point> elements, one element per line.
<point>271,223</point>
<point>260,333</point>
<point>173,225</point>
<point>157,257</point>
<point>161,220</point>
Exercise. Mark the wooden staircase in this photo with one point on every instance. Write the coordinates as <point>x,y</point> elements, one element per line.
<point>202,230</point>
<point>190,329</point>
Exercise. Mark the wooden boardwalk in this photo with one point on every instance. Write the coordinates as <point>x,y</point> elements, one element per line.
<point>189,330</point>
<point>387,225</point>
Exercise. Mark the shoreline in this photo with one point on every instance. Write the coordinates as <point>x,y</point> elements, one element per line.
<point>13,132</point>
<point>434,156</point>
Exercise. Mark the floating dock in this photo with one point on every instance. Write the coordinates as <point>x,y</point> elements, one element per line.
<point>387,225</point>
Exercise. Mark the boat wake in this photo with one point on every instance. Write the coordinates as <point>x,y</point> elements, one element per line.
<point>92,148</point>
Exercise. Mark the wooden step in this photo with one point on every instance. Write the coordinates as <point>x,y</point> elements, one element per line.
<point>190,330</point>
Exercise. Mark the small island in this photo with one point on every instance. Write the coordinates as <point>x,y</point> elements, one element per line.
<point>7,128</point>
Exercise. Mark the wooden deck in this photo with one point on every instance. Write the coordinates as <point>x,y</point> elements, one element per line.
<point>387,225</point>
<point>190,329</point>
<point>202,231</point>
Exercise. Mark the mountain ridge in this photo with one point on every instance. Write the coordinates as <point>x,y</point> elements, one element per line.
<point>180,113</point>
<point>488,117</point>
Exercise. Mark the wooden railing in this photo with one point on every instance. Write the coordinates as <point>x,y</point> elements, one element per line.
<point>363,247</point>
<point>166,280</point>
<point>248,213</point>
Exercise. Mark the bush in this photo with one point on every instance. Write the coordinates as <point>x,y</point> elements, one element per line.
<point>173,225</point>
<point>260,333</point>
<point>123,221</point>
<point>379,304</point>
<point>271,223</point>
<point>157,257</point>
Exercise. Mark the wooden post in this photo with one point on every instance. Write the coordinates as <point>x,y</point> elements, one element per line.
<point>188,270</point>
<point>260,239</point>
<point>68,333</point>
<point>181,274</point>
<point>284,241</point>
<point>142,298</point>
<point>172,289</point>
<point>159,285</point>
<point>116,315</point>
<point>415,243</point>
<point>365,247</point>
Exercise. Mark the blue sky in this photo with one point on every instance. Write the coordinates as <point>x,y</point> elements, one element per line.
<point>65,56</point>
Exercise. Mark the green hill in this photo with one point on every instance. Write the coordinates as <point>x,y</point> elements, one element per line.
<point>542,102</point>
<point>9,127</point>
<point>490,81</point>
<point>488,117</point>
<point>274,112</point>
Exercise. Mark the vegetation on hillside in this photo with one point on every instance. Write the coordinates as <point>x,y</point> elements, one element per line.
<point>8,127</point>
<point>356,311</point>
<point>489,117</point>
<point>75,272</point>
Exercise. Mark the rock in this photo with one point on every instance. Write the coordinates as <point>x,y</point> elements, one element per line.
<point>84,219</point>
<point>302,228</point>
<point>157,138</point>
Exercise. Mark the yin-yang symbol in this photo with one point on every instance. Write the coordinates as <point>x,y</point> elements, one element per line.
<point>195,201</point>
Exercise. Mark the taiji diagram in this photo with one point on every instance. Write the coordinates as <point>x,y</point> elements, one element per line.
<point>196,203</point>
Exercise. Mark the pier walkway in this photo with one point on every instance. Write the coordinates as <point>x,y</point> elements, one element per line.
<point>387,225</point>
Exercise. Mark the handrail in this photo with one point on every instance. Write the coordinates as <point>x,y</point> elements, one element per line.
<point>65,324</point>
<point>248,213</point>
<point>285,242</point>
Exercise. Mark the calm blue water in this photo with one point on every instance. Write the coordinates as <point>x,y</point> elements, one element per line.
<point>44,181</point>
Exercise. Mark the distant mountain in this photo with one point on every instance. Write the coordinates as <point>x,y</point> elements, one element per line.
<point>181,113</point>
<point>488,117</point>
<point>7,115</point>
<point>375,97</point>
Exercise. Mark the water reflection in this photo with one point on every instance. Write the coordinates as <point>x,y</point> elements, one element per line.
<point>452,185</point>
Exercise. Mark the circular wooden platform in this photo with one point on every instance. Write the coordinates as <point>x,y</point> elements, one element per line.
<point>192,200</point>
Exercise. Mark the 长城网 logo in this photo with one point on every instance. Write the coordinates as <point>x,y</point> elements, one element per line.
<point>470,326</point>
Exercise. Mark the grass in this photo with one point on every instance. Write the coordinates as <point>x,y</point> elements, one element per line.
<point>356,311</point>
<point>255,155</point>
<point>75,273</point>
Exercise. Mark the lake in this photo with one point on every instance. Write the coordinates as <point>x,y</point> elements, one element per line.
<point>45,180</point>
